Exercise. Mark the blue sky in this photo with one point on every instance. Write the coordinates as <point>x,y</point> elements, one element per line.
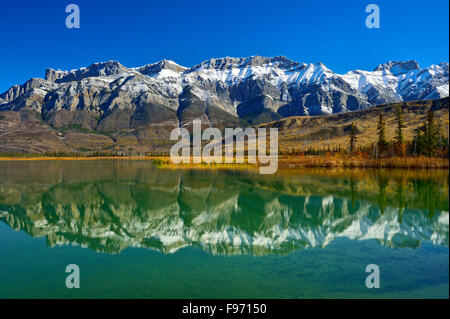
<point>137,32</point>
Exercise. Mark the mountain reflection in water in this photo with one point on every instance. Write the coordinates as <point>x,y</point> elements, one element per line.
<point>114,204</point>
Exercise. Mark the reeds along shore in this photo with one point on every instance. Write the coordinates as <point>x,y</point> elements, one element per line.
<point>284,161</point>
<point>360,162</point>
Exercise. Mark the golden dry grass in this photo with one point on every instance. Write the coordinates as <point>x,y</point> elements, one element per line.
<point>74,158</point>
<point>284,162</point>
<point>359,162</point>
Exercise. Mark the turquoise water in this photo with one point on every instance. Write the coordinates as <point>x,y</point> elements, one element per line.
<point>137,231</point>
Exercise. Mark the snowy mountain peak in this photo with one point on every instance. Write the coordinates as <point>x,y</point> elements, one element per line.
<point>398,67</point>
<point>155,68</point>
<point>443,66</point>
<point>107,68</point>
<point>227,63</point>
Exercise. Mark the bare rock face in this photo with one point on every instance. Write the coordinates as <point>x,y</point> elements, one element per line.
<point>108,68</point>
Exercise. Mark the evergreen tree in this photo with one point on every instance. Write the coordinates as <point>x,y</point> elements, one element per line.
<point>399,139</point>
<point>428,138</point>
<point>352,138</point>
<point>440,137</point>
<point>400,125</point>
<point>381,127</point>
<point>431,134</point>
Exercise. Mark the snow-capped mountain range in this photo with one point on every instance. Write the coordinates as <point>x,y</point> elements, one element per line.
<point>254,89</point>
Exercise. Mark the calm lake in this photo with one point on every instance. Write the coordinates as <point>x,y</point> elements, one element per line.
<point>138,231</point>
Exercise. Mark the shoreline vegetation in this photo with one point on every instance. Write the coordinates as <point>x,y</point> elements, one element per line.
<point>429,149</point>
<point>284,161</point>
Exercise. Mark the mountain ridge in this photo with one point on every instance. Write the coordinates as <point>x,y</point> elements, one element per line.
<point>131,107</point>
<point>296,88</point>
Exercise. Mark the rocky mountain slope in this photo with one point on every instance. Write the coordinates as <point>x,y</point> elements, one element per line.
<point>328,132</point>
<point>140,106</point>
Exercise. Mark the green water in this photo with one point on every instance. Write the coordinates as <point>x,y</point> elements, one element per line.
<point>137,231</point>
